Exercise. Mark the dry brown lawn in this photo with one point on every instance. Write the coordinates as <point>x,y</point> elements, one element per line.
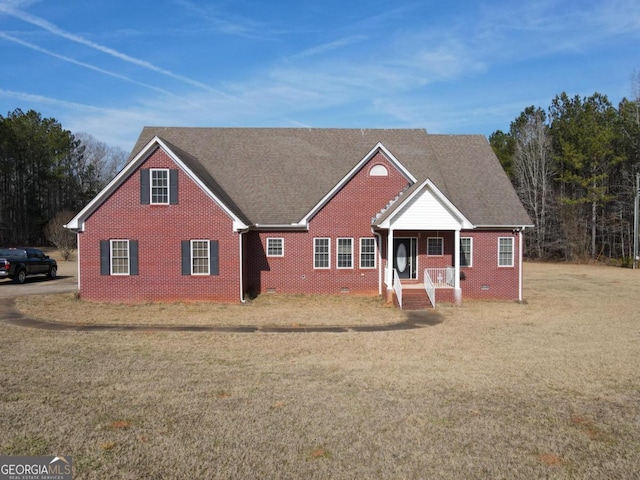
<point>546,389</point>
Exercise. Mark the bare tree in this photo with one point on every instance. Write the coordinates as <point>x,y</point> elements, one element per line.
<point>101,163</point>
<point>63,239</point>
<point>533,170</point>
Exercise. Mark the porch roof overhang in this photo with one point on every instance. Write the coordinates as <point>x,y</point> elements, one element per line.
<point>422,207</point>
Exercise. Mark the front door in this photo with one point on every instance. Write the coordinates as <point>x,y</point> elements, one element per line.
<point>404,257</point>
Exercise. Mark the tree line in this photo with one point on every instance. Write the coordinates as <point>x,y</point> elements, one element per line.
<point>574,168</point>
<point>46,170</point>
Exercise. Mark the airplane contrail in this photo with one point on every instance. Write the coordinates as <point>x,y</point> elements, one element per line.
<point>54,29</point>
<point>82,64</point>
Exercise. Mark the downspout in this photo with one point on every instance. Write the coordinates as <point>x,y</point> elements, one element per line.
<point>520,265</point>
<point>380,269</point>
<point>78,258</point>
<point>241,256</point>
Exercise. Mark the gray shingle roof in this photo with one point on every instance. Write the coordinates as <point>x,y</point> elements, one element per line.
<point>275,176</point>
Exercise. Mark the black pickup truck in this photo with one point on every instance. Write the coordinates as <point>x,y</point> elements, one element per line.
<point>18,263</point>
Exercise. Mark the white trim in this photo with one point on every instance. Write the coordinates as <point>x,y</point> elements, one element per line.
<point>375,254</point>
<point>281,246</point>
<point>208,264</point>
<point>77,223</point>
<point>351,267</point>
<point>379,147</point>
<point>128,257</point>
<point>512,252</point>
<point>465,224</point>
<point>328,267</point>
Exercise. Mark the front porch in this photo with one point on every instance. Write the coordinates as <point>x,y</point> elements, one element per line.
<point>436,285</point>
<point>421,229</point>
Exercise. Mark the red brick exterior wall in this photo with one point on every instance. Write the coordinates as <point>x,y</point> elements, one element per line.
<point>347,215</point>
<point>159,230</point>
<point>485,279</point>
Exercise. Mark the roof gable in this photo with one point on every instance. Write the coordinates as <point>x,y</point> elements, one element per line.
<point>282,176</point>
<point>379,147</point>
<point>423,207</point>
<point>77,222</point>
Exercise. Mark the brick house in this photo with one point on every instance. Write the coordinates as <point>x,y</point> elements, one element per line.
<point>225,213</point>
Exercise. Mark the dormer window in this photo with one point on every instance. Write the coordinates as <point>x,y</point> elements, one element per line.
<point>378,171</point>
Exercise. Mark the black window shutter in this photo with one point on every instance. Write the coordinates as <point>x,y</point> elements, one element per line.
<point>145,187</point>
<point>214,264</point>
<point>186,257</point>
<point>133,257</point>
<point>173,187</point>
<point>105,257</point>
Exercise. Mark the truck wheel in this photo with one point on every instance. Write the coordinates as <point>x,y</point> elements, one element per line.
<point>20,277</point>
<point>53,273</point>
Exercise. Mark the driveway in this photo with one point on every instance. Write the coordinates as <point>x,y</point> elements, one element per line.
<point>67,281</point>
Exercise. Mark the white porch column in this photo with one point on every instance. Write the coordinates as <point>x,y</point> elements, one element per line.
<point>457,292</point>
<point>389,270</point>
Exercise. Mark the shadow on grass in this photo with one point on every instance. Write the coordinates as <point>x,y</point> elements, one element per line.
<point>414,319</point>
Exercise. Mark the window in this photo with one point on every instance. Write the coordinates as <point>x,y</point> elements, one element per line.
<point>435,246</point>
<point>466,249</point>
<point>118,257</point>
<point>275,247</point>
<point>505,252</point>
<point>159,186</point>
<point>345,253</point>
<point>321,247</point>
<point>367,253</point>
<point>199,257</point>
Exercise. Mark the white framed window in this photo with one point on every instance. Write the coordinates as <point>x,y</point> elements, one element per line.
<point>321,253</point>
<point>159,186</point>
<point>505,252</point>
<point>200,257</point>
<point>344,252</point>
<point>119,260</point>
<point>367,252</point>
<point>435,246</point>
<point>466,251</point>
<point>275,247</point>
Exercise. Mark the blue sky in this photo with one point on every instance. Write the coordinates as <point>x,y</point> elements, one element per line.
<point>109,68</point>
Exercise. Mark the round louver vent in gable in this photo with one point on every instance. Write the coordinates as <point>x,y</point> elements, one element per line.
<point>378,171</point>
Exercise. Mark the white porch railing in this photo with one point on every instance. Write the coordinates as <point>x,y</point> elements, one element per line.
<point>397,286</point>
<point>442,277</point>
<point>429,287</point>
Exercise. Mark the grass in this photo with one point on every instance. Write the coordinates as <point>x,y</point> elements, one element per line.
<point>546,389</point>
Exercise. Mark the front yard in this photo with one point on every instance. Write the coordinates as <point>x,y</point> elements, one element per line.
<point>547,389</point>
